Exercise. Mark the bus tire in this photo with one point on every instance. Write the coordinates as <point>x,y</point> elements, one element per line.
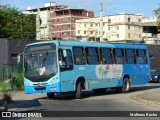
<point>79,90</point>
<point>50,95</point>
<point>126,85</point>
<point>99,91</point>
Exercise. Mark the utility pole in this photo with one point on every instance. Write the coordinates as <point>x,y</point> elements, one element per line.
<point>38,22</point>
<point>101,22</point>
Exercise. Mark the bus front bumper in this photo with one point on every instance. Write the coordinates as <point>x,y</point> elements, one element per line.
<point>42,89</point>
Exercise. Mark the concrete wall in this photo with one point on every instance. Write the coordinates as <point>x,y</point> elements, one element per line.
<point>10,48</point>
<point>154,50</point>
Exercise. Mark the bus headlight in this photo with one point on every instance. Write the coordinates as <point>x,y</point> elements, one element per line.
<point>27,83</point>
<point>53,81</point>
<point>155,76</point>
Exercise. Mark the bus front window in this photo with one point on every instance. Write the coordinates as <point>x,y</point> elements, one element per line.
<point>39,64</point>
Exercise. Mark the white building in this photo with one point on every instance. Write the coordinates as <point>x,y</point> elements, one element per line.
<point>150,31</point>
<point>120,27</point>
<point>42,20</point>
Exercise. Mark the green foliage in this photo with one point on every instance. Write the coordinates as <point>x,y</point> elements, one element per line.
<point>19,81</point>
<point>4,86</point>
<point>15,25</point>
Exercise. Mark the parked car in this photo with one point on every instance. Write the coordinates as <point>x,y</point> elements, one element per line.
<point>155,76</point>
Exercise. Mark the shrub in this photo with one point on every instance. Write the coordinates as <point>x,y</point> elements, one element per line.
<point>17,82</point>
<point>7,97</point>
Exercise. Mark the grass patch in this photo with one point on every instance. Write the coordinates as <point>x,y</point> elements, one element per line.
<point>5,86</point>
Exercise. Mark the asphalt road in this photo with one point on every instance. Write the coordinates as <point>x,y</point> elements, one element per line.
<point>110,101</point>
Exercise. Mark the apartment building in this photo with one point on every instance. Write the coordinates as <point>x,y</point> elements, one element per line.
<point>63,21</point>
<point>42,20</point>
<point>57,21</point>
<point>120,27</point>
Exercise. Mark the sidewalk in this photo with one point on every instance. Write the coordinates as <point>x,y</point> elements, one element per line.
<point>149,97</point>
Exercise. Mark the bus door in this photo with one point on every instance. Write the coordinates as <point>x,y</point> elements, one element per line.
<point>66,70</point>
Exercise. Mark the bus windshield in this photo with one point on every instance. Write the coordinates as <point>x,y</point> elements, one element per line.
<point>40,61</point>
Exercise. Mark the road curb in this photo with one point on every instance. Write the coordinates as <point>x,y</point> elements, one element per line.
<point>144,101</point>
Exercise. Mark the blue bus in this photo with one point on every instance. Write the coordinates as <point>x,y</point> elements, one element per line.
<point>70,66</point>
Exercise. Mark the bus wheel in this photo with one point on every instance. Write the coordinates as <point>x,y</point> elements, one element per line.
<point>101,91</point>
<point>79,91</point>
<point>50,95</point>
<point>126,85</point>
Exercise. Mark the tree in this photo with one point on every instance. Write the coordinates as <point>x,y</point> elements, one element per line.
<point>157,12</point>
<point>16,25</point>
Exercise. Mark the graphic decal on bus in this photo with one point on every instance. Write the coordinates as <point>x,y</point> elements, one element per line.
<point>109,71</point>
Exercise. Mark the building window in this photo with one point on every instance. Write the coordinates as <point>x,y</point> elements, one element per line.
<point>84,32</point>
<point>91,25</point>
<point>129,20</point>
<point>65,33</point>
<point>91,32</point>
<point>117,27</point>
<point>129,35</point>
<point>103,33</point>
<point>129,27</point>
<point>109,28</point>
<point>139,35</point>
<point>117,35</point>
<point>73,33</point>
<point>73,26</point>
<point>139,20</point>
<point>109,20</point>
<point>79,31</point>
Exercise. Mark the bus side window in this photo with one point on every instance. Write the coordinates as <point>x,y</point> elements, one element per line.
<point>92,55</point>
<point>130,56</point>
<point>119,56</point>
<point>106,57</point>
<point>141,56</point>
<point>65,59</point>
<point>78,53</point>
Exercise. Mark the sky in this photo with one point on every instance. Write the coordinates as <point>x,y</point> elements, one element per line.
<point>110,7</point>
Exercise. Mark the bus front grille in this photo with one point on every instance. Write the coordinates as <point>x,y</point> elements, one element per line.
<point>40,88</point>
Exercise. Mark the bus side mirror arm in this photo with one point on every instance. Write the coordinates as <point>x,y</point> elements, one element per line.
<point>20,58</point>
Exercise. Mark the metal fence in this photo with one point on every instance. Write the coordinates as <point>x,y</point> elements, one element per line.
<point>8,71</point>
<point>11,77</point>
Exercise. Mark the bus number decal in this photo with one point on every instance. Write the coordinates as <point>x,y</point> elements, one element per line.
<point>109,71</point>
<point>81,68</point>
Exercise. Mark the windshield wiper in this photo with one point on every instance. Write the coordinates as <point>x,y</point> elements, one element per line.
<point>32,61</point>
<point>44,59</point>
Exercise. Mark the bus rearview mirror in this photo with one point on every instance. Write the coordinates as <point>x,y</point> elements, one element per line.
<point>64,53</point>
